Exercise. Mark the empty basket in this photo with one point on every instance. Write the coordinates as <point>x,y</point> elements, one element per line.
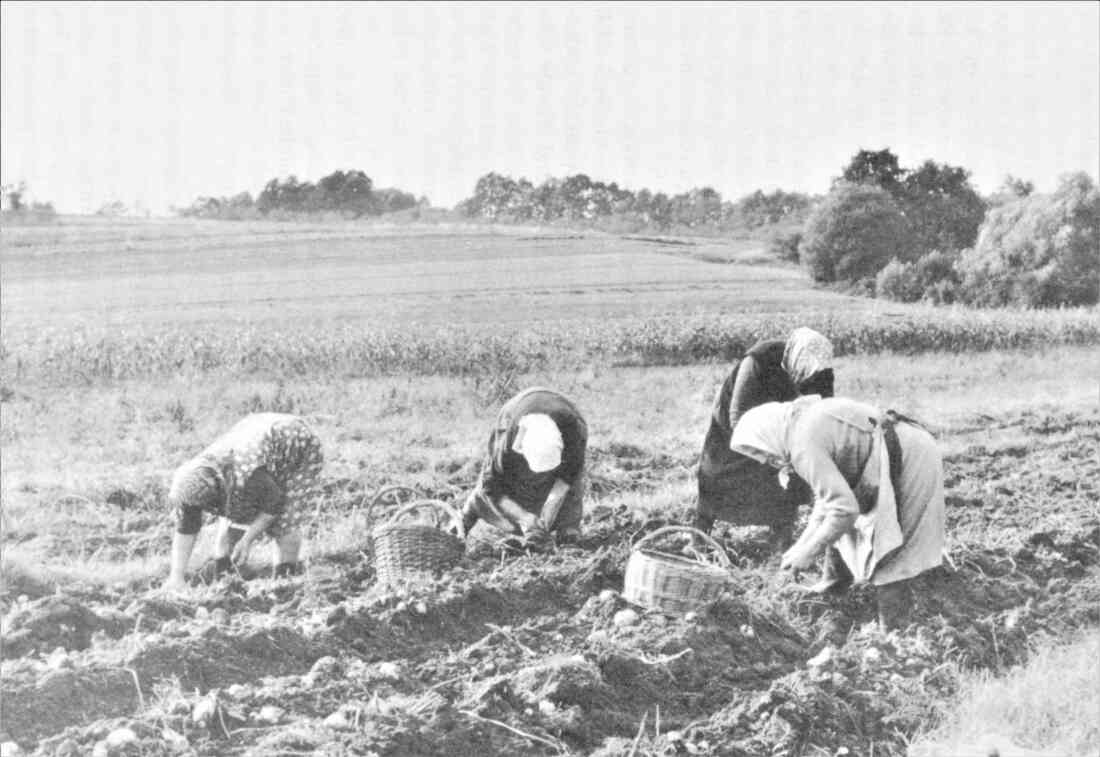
<point>671,583</point>
<point>415,551</point>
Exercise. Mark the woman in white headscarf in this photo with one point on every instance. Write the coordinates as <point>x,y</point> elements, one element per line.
<point>877,483</point>
<point>532,480</point>
<point>732,486</point>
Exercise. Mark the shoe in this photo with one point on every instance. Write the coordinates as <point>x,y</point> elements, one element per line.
<point>568,536</point>
<point>286,569</point>
<point>895,604</point>
<point>835,576</point>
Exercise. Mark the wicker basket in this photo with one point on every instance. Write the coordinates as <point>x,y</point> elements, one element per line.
<point>407,552</point>
<point>674,584</point>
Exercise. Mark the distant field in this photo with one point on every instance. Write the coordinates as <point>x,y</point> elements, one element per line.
<point>153,273</point>
<point>127,299</point>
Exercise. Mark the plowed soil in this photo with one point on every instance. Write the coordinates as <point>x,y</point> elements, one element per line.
<point>522,654</point>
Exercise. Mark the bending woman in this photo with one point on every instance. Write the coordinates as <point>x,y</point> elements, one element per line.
<point>732,486</point>
<point>532,479</point>
<point>253,478</point>
<point>877,482</point>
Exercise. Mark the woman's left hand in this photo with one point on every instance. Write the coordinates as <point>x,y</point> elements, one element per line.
<point>241,550</point>
<point>797,558</point>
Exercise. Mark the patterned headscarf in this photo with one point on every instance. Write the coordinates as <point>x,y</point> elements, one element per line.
<point>806,353</point>
<point>762,434</point>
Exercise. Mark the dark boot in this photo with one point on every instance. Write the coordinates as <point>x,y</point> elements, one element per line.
<point>704,521</point>
<point>469,520</point>
<point>286,569</point>
<point>895,604</point>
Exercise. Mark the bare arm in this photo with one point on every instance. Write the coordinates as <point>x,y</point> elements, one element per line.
<point>515,513</point>
<point>552,506</point>
<point>257,527</point>
<point>835,505</point>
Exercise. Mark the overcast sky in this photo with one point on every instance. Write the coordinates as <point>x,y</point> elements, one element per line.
<point>159,103</point>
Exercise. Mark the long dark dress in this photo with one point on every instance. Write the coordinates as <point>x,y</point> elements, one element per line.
<point>736,488</point>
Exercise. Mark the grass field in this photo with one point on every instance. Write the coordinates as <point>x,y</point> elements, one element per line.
<point>507,656</point>
<point>172,272</point>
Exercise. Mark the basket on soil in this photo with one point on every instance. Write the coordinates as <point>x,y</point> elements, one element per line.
<point>675,583</point>
<point>414,550</point>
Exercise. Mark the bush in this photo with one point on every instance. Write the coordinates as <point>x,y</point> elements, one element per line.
<point>784,245</point>
<point>899,281</point>
<point>853,234</point>
<point>933,277</point>
<point>1038,251</point>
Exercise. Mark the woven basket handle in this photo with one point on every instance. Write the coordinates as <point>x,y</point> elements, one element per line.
<point>382,493</point>
<point>723,558</point>
<point>452,513</point>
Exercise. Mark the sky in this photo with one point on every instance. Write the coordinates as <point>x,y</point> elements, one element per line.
<point>154,104</point>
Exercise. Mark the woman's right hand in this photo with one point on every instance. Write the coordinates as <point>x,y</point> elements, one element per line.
<point>536,535</point>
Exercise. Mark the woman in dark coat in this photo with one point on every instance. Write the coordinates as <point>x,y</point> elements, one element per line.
<point>532,480</point>
<point>736,488</point>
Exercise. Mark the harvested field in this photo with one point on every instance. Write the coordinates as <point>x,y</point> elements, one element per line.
<point>521,654</point>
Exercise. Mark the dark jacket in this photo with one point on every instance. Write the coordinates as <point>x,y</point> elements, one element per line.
<point>733,487</point>
<point>506,473</point>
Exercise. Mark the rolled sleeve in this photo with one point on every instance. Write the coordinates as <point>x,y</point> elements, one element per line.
<point>188,520</point>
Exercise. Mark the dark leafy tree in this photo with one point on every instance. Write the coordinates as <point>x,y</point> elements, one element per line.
<point>853,234</point>
<point>877,167</point>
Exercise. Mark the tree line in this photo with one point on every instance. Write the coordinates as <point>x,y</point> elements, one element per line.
<point>580,199</point>
<point>349,194</point>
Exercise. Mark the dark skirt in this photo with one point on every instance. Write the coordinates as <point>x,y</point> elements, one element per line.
<point>739,490</point>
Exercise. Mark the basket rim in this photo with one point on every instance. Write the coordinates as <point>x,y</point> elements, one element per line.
<point>719,551</point>
<point>676,561</point>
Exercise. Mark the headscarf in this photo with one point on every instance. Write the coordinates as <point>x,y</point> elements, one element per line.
<point>762,434</point>
<point>806,353</point>
<point>539,440</point>
<point>197,483</point>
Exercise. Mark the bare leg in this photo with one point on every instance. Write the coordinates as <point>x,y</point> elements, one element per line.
<point>287,547</point>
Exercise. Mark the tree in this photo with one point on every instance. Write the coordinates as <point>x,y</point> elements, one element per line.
<point>1040,251</point>
<point>14,194</point>
<point>943,208</point>
<point>1011,189</point>
<point>853,234</point>
<point>349,191</point>
<point>879,168</point>
<point>112,209</point>
<point>492,195</point>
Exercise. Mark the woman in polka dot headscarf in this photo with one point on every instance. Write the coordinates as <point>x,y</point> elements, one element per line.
<point>254,478</point>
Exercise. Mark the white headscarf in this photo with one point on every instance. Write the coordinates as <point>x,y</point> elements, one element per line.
<point>762,433</point>
<point>806,353</point>
<point>539,440</point>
